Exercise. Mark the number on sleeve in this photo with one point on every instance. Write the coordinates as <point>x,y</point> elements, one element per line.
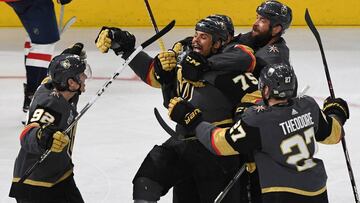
<point>239,131</point>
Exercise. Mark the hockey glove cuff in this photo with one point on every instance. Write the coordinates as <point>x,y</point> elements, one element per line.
<point>49,137</point>
<point>194,66</point>
<point>44,135</point>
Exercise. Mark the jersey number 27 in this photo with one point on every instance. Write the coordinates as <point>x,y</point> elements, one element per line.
<point>303,159</point>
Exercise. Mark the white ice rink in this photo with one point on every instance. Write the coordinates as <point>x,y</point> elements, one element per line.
<point>115,135</point>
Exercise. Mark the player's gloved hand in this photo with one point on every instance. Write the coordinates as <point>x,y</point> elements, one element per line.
<point>164,64</point>
<point>51,138</point>
<point>184,113</point>
<point>121,41</point>
<point>63,2</point>
<point>182,45</point>
<point>240,109</point>
<point>193,66</point>
<point>76,49</point>
<point>337,107</point>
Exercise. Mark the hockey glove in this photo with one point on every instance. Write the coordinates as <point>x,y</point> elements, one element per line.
<point>182,45</point>
<point>193,66</point>
<point>50,138</point>
<point>164,66</point>
<point>120,41</point>
<point>184,113</point>
<point>76,49</point>
<point>337,107</point>
<point>63,2</point>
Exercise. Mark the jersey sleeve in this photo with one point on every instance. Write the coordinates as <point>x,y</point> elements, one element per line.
<point>29,140</point>
<point>330,131</point>
<point>235,57</point>
<point>240,138</point>
<point>143,66</point>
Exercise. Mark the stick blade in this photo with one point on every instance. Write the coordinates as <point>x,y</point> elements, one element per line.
<point>163,124</point>
<point>162,32</point>
<point>68,24</point>
<point>311,25</point>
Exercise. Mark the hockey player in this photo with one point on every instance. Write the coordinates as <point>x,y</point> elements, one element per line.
<point>176,162</point>
<point>273,18</point>
<point>282,133</point>
<point>39,20</point>
<point>52,110</point>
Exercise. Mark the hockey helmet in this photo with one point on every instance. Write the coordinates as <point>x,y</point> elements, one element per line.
<point>64,67</point>
<point>280,79</point>
<point>227,20</point>
<point>276,12</point>
<point>217,29</point>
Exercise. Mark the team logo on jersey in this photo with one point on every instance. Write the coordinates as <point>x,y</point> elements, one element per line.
<point>55,93</point>
<point>273,49</point>
<point>294,112</point>
<point>260,108</point>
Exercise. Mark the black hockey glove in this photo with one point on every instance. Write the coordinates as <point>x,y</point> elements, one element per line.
<point>193,66</point>
<point>337,107</point>
<point>63,2</point>
<point>164,67</point>
<point>49,137</point>
<point>240,109</point>
<point>182,45</point>
<point>121,41</point>
<point>184,113</point>
<point>76,49</point>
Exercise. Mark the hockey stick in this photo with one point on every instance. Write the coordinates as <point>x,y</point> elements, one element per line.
<point>67,25</point>
<point>100,92</point>
<point>61,18</point>
<point>313,29</point>
<point>168,129</point>
<point>162,46</point>
<point>222,194</point>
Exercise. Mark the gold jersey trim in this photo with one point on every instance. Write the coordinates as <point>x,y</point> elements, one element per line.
<point>151,78</point>
<point>220,144</point>
<point>252,97</point>
<point>223,122</point>
<point>44,184</point>
<point>336,133</point>
<point>293,190</point>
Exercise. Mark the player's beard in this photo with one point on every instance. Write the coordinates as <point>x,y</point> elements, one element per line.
<point>262,39</point>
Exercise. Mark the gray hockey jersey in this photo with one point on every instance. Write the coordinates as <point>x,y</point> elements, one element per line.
<point>48,106</point>
<point>283,139</point>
